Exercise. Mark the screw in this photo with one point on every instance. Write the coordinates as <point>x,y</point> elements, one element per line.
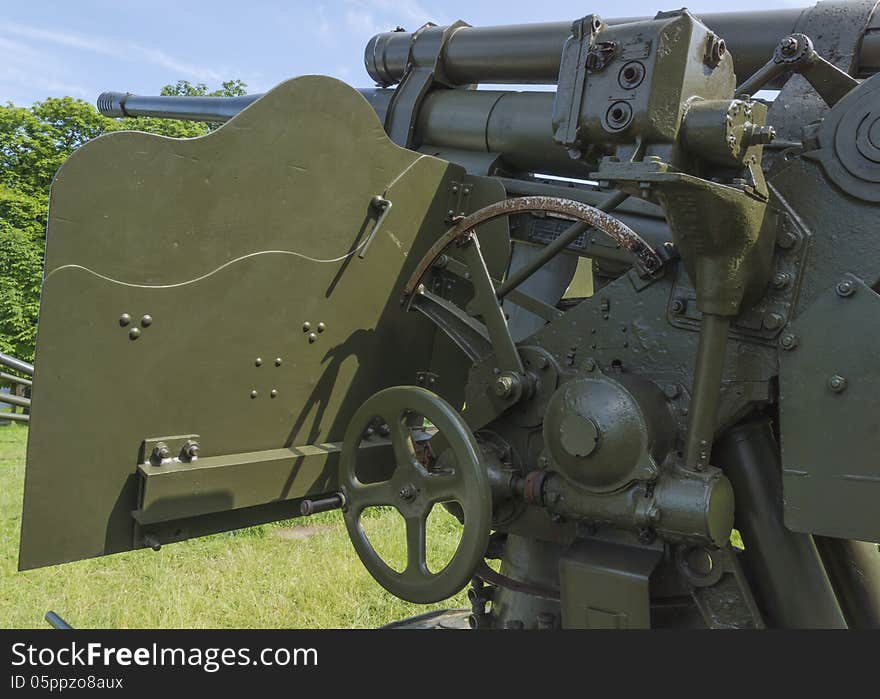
<point>837,383</point>
<point>788,341</point>
<point>134,333</point>
<point>124,319</point>
<point>845,288</point>
<point>679,306</point>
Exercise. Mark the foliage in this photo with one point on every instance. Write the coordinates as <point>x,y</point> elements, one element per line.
<point>34,142</point>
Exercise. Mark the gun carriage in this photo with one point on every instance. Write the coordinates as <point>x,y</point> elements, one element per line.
<point>601,326</point>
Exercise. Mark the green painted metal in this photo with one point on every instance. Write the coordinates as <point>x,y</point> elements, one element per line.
<point>831,381</point>
<point>264,331</point>
<point>452,472</point>
<point>608,438</point>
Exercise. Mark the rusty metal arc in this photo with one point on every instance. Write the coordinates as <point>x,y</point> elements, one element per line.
<point>627,238</point>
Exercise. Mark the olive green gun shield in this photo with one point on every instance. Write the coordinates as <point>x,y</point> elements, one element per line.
<point>237,291</point>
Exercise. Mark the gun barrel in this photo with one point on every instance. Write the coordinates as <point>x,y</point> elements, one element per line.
<point>530,53</point>
<point>185,108</point>
<point>125,104</point>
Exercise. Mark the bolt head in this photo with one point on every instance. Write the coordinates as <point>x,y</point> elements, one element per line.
<point>845,288</point>
<point>788,341</point>
<point>773,321</point>
<point>134,333</point>
<point>781,280</point>
<point>124,319</point>
<point>837,383</point>
<point>146,320</point>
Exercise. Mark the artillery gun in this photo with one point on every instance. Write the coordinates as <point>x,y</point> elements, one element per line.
<point>601,326</point>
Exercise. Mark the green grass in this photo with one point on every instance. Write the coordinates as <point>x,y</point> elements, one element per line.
<point>298,574</point>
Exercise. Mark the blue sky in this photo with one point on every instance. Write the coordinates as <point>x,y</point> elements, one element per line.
<point>83,47</point>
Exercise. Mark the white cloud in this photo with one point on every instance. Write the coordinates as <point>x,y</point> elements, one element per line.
<point>121,50</point>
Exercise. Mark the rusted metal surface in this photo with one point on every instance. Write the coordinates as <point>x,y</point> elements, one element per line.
<point>486,574</point>
<point>622,234</point>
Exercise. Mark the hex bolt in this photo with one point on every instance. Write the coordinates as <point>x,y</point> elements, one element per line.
<point>786,240</point>
<point>152,542</point>
<point>773,321</point>
<point>781,280</point>
<point>161,452</point>
<point>368,431</point>
<point>384,429</point>
<point>124,319</point>
<point>190,450</point>
<point>134,334</point>
<point>679,306</point>
<point>789,46</point>
<point>542,362</point>
<point>504,385</point>
<point>408,492</point>
<point>845,288</point>
<point>837,383</point>
<point>788,341</point>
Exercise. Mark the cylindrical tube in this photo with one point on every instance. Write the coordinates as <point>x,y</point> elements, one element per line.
<point>17,364</point>
<point>15,379</point>
<point>56,622</point>
<point>313,507</point>
<point>530,53</point>
<point>13,399</point>
<point>15,417</point>
<point>708,372</point>
<point>854,569</point>
<point>786,572</point>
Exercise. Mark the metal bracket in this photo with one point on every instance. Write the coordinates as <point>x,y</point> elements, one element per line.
<point>420,76</point>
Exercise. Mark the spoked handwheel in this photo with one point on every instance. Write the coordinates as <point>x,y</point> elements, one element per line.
<point>457,474</point>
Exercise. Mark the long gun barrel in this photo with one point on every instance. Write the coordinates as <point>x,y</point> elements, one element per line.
<point>530,53</point>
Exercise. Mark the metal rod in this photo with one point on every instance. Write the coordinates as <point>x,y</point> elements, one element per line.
<point>12,399</point>
<point>313,507</point>
<point>17,364</point>
<point>568,236</point>
<point>15,417</point>
<point>15,379</point>
<point>854,569</point>
<point>708,372</point>
<point>56,622</point>
<point>784,568</point>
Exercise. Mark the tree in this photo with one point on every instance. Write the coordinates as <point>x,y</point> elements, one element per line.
<point>34,142</point>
